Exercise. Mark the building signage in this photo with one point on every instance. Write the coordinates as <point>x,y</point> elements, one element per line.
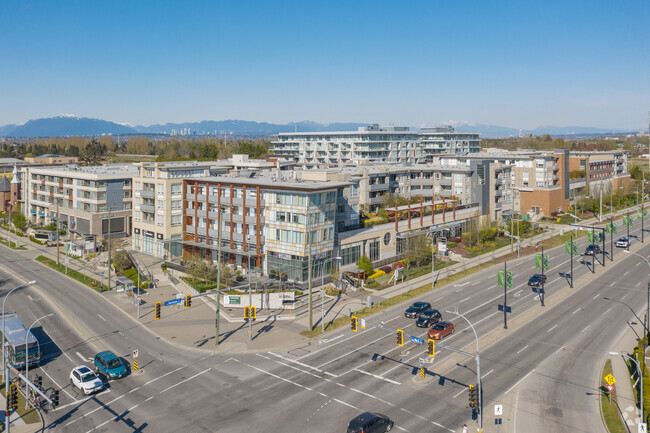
<point>148,233</point>
<point>136,230</point>
<point>232,300</point>
<point>159,235</point>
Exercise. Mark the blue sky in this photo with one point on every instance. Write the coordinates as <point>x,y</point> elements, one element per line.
<point>521,64</point>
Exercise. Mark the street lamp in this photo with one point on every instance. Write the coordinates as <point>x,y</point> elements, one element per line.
<point>4,364</point>
<point>638,370</point>
<point>138,271</point>
<point>27,358</point>
<point>250,293</point>
<point>647,314</point>
<point>322,298</point>
<point>433,256</point>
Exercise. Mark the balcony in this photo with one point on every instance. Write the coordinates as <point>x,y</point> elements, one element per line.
<point>445,181</point>
<point>556,167</point>
<point>379,187</point>
<point>376,200</point>
<point>147,194</point>
<point>498,181</point>
<point>146,208</point>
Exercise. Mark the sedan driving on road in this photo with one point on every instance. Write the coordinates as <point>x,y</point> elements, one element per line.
<point>592,249</point>
<point>416,309</point>
<point>428,318</point>
<point>623,242</point>
<point>537,280</point>
<point>85,379</point>
<point>441,330</point>
<point>369,422</point>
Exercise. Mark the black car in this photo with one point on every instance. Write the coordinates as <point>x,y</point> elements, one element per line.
<point>537,280</point>
<point>369,422</point>
<point>416,309</point>
<point>592,249</point>
<point>428,318</point>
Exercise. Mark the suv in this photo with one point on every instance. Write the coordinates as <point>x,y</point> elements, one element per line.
<point>110,365</point>
<point>428,318</point>
<point>85,379</point>
<point>592,250</point>
<point>416,309</point>
<point>369,422</point>
<point>537,280</point>
<point>623,243</point>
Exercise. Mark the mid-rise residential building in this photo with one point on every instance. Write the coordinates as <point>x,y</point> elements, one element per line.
<point>85,197</point>
<point>51,159</point>
<point>601,171</point>
<point>272,220</point>
<point>373,144</point>
<point>158,207</point>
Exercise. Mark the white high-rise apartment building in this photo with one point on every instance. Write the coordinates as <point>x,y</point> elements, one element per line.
<point>374,144</point>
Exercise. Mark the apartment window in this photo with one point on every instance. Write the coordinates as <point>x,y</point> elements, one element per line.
<point>160,204</point>
<point>177,204</point>
<point>160,220</point>
<point>176,188</point>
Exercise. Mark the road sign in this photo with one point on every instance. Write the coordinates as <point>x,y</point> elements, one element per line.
<point>417,340</point>
<point>363,323</point>
<point>498,409</point>
<point>610,379</point>
<point>172,302</point>
<point>610,388</point>
<point>643,427</point>
<point>509,310</point>
<point>135,353</point>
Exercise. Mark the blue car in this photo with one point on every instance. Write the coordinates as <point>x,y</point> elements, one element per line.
<point>110,365</point>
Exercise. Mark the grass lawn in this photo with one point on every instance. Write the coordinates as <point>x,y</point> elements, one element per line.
<point>71,273</point>
<point>12,246</point>
<point>610,410</point>
<point>30,416</point>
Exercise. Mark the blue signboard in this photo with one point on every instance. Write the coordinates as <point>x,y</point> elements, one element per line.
<point>417,340</point>
<point>172,302</point>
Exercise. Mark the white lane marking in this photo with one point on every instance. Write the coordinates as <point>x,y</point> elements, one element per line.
<point>32,299</point>
<point>520,380</point>
<point>459,290</point>
<point>330,374</point>
<point>576,311</point>
<point>332,339</point>
<point>59,386</point>
<point>554,326</point>
<point>608,310</point>
<point>117,398</point>
<point>483,377</point>
<point>522,349</point>
<point>638,264</point>
<point>461,285</point>
<point>623,297</point>
<point>466,299</point>
<point>473,284</point>
<point>460,392</point>
<point>439,299</point>
<point>83,358</point>
<point>517,294</point>
<point>596,296</point>
<point>626,272</point>
<point>101,318</point>
<point>183,381</point>
<point>377,377</point>
<point>612,285</point>
<point>587,327</point>
<point>302,364</point>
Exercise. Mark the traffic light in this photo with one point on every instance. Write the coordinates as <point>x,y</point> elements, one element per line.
<point>253,312</point>
<point>157,316</point>
<point>55,398</point>
<point>13,396</point>
<point>473,398</point>
<point>400,337</point>
<point>188,301</point>
<point>353,323</point>
<point>431,348</point>
<point>247,312</point>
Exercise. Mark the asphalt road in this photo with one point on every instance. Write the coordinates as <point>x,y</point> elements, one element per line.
<point>543,372</point>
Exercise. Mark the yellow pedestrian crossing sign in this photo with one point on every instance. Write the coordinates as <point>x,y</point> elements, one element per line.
<point>610,379</point>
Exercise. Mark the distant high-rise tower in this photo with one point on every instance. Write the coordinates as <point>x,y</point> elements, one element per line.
<point>521,133</point>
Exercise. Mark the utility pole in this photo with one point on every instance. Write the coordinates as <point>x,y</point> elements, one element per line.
<point>642,203</point>
<point>311,317</point>
<point>600,209</point>
<point>593,251</point>
<point>57,232</point>
<point>571,260</point>
<point>109,253</point>
<point>216,320</point>
<point>250,293</point>
<point>541,295</point>
<point>505,295</point>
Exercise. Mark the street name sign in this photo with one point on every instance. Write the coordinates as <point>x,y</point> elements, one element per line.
<point>417,340</point>
<point>172,302</point>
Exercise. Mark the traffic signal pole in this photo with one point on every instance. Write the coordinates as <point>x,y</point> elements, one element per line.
<point>541,295</point>
<point>505,295</point>
<point>571,260</point>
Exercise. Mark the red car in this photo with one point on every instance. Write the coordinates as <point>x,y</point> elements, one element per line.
<point>440,330</point>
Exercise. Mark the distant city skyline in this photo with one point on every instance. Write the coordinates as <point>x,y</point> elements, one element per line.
<point>515,64</point>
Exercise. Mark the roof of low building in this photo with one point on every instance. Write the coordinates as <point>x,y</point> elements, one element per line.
<point>5,185</point>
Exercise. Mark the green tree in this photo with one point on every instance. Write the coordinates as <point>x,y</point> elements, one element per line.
<point>19,220</point>
<point>202,270</point>
<point>121,260</point>
<point>418,250</point>
<point>365,264</point>
<point>93,152</point>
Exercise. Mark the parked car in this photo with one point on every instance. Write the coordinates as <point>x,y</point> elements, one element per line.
<point>416,309</point>
<point>85,379</point>
<point>428,318</point>
<point>623,242</point>
<point>592,249</point>
<point>110,365</point>
<point>369,422</point>
<point>537,280</point>
<point>440,330</point>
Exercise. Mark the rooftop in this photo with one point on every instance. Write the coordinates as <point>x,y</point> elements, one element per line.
<point>274,180</point>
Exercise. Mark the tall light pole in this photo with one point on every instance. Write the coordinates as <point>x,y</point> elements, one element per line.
<point>478,370</point>
<point>309,270</point>
<point>250,293</point>
<point>647,314</point>
<point>639,372</point>
<point>4,364</point>
<point>109,253</point>
<point>322,291</point>
<point>433,257</point>
<point>137,268</point>
<point>27,358</point>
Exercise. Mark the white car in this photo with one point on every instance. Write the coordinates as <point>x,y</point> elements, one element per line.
<point>623,243</point>
<point>85,379</point>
